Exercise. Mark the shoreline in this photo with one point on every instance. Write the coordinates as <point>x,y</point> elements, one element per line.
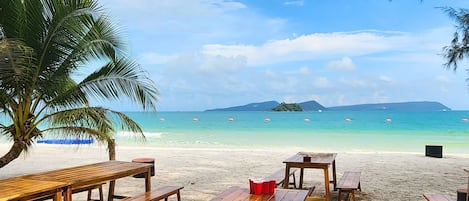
<point>206,172</point>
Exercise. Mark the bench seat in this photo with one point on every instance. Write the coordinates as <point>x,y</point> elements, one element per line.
<point>158,194</point>
<point>349,183</point>
<point>279,177</point>
<point>436,197</point>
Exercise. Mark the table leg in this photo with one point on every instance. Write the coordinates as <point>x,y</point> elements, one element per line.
<point>326,182</point>
<point>334,177</point>
<point>57,196</point>
<point>467,193</point>
<point>67,194</point>
<point>110,196</point>
<point>301,178</point>
<point>148,180</point>
<point>286,180</point>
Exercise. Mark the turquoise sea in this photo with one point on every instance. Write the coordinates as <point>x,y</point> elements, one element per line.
<point>390,131</point>
<point>370,131</point>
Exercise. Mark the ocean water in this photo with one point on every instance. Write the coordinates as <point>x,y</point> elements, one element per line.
<point>367,131</point>
<point>390,131</point>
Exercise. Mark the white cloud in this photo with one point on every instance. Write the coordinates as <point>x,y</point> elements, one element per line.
<point>345,64</point>
<point>217,64</point>
<point>175,8</point>
<point>295,3</point>
<point>191,63</point>
<point>313,46</point>
<point>321,83</point>
<point>356,83</point>
<point>304,70</point>
<point>442,78</point>
<point>385,78</point>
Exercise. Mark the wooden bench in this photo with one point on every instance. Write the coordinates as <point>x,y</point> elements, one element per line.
<point>436,197</point>
<point>349,183</point>
<point>279,177</point>
<point>158,194</point>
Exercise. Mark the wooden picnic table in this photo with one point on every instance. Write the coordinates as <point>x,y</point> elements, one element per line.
<point>316,160</point>
<point>26,189</point>
<point>81,176</point>
<point>237,193</point>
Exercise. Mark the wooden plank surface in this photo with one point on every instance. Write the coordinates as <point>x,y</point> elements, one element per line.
<point>157,194</point>
<point>316,158</point>
<point>18,188</point>
<point>437,197</point>
<point>279,175</point>
<point>242,194</point>
<point>349,181</point>
<point>94,173</point>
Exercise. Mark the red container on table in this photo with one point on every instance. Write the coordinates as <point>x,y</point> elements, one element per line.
<point>268,187</point>
<point>255,186</point>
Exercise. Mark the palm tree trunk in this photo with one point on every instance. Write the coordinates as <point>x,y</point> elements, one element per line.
<point>15,151</point>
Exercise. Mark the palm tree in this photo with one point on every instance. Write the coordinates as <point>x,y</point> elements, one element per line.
<point>459,48</point>
<point>43,44</point>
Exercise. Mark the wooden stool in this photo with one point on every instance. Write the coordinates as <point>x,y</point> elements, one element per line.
<point>145,160</point>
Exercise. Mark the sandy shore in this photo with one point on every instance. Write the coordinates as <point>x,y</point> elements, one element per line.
<point>206,172</point>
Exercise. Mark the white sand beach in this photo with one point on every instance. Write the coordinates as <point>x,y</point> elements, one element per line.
<point>204,173</point>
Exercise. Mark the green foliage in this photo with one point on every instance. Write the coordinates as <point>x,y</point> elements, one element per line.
<point>459,47</point>
<point>288,107</point>
<point>43,44</point>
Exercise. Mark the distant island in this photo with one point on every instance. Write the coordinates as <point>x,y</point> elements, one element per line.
<point>315,106</point>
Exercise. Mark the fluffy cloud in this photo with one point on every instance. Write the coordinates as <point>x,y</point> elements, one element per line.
<point>304,71</point>
<point>217,64</point>
<point>345,64</point>
<point>313,46</point>
<point>321,83</point>
<point>385,78</point>
<point>442,78</point>
<point>294,3</point>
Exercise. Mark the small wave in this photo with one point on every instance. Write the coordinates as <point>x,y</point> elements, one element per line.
<point>147,134</point>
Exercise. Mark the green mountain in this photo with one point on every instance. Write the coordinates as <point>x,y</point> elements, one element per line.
<point>315,106</point>
<point>312,106</point>
<point>288,107</point>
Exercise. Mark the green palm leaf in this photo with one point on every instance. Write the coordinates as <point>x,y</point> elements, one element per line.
<point>43,44</point>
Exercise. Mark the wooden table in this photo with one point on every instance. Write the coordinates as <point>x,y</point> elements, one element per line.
<point>236,193</point>
<point>27,189</point>
<point>80,176</point>
<point>318,160</point>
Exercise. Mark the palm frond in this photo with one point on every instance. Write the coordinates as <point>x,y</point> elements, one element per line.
<point>73,132</point>
<point>17,66</point>
<point>97,119</point>
<point>459,47</point>
<point>122,78</point>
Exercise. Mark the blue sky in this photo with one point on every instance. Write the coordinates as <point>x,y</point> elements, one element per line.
<point>205,54</point>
